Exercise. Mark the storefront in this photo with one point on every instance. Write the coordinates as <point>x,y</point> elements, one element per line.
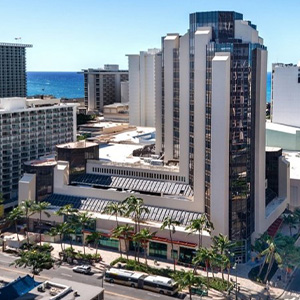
<point>158,250</point>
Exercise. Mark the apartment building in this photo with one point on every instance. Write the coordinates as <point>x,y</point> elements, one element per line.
<point>144,87</point>
<point>30,128</point>
<point>103,86</point>
<point>13,70</point>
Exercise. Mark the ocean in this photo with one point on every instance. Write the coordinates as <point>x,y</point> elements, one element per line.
<point>58,84</point>
<point>70,84</point>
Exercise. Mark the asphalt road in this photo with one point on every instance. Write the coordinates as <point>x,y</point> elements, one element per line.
<point>112,291</point>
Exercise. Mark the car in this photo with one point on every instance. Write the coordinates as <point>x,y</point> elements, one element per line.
<point>82,269</point>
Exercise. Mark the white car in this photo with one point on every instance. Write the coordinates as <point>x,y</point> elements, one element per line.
<point>82,269</point>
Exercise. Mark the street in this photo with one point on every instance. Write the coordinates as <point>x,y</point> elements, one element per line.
<point>112,291</point>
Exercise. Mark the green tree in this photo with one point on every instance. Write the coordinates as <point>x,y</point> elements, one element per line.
<point>222,244</point>
<point>60,230</point>
<point>94,237</point>
<point>26,206</point>
<point>125,232</point>
<point>135,207</point>
<point>114,209</point>
<point>85,221</point>
<point>186,279</point>
<point>36,260</point>
<point>170,223</point>
<point>271,255</point>
<point>203,255</point>
<point>199,225</point>
<point>67,210</point>
<point>14,216</point>
<point>143,237</point>
<point>39,208</point>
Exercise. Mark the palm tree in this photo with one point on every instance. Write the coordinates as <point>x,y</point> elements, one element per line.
<point>143,237</point>
<point>125,232</point>
<point>14,216</point>
<point>67,210</point>
<point>169,223</point>
<point>271,255</point>
<point>40,207</point>
<point>114,209</point>
<point>222,244</point>
<point>203,255</point>
<point>199,225</point>
<point>84,221</point>
<point>95,237</point>
<point>135,207</point>
<point>37,260</point>
<point>186,279</point>
<point>60,229</point>
<point>26,206</point>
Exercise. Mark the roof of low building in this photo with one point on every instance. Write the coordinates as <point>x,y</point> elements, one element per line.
<point>135,184</point>
<point>156,214</point>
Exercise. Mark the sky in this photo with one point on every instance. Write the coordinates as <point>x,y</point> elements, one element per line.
<point>70,35</point>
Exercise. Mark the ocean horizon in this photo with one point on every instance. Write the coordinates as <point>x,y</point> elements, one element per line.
<point>71,85</point>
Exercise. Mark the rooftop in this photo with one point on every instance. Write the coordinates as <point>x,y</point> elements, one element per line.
<point>77,145</point>
<point>97,205</point>
<point>293,157</point>
<point>59,288</point>
<point>135,184</point>
<point>282,128</point>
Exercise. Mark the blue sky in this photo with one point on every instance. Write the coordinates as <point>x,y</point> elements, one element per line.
<point>69,35</point>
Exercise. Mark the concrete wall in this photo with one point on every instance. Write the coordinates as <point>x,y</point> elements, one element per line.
<point>202,38</point>
<point>27,188</point>
<point>220,116</point>
<point>171,42</point>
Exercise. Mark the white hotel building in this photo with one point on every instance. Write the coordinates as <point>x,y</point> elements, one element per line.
<point>212,139</point>
<point>30,128</point>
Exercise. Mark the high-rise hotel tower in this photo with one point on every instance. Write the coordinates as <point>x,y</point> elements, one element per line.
<point>213,118</point>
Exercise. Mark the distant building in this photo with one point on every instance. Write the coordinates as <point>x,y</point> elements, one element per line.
<point>13,70</point>
<point>30,129</point>
<point>124,91</point>
<point>103,86</point>
<point>145,83</point>
<point>286,94</point>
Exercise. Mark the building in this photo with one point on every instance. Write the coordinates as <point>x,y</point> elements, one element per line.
<point>145,87</point>
<point>103,86</point>
<point>210,143</point>
<point>285,97</point>
<point>213,120</point>
<point>30,128</point>
<point>63,289</point>
<point>13,70</point>
<point>77,154</point>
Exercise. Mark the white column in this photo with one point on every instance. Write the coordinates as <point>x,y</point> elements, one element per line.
<point>170,43</point>
<point>158,102</point>
<point>260,138</point>
<point>184,111</point>
<point>220,123</point>
<point>202,38</point>
<point>134,89</point>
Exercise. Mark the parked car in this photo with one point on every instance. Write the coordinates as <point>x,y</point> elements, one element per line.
<point>82,269</point>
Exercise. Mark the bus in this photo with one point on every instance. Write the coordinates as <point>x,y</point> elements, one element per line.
<point>159,284</point>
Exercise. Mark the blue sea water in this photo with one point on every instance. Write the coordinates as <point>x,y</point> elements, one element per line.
<point>70,84</point>
<point>58,84</point>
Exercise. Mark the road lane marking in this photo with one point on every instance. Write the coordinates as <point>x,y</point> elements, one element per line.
<point>154,295</point>
<point>123,296</point>
<point>22,272</point>
<point>64,274</point>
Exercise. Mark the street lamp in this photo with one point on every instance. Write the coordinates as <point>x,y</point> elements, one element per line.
<point>236,285</point>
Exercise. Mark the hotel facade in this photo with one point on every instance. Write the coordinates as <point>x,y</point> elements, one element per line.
<point>211,139</point>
